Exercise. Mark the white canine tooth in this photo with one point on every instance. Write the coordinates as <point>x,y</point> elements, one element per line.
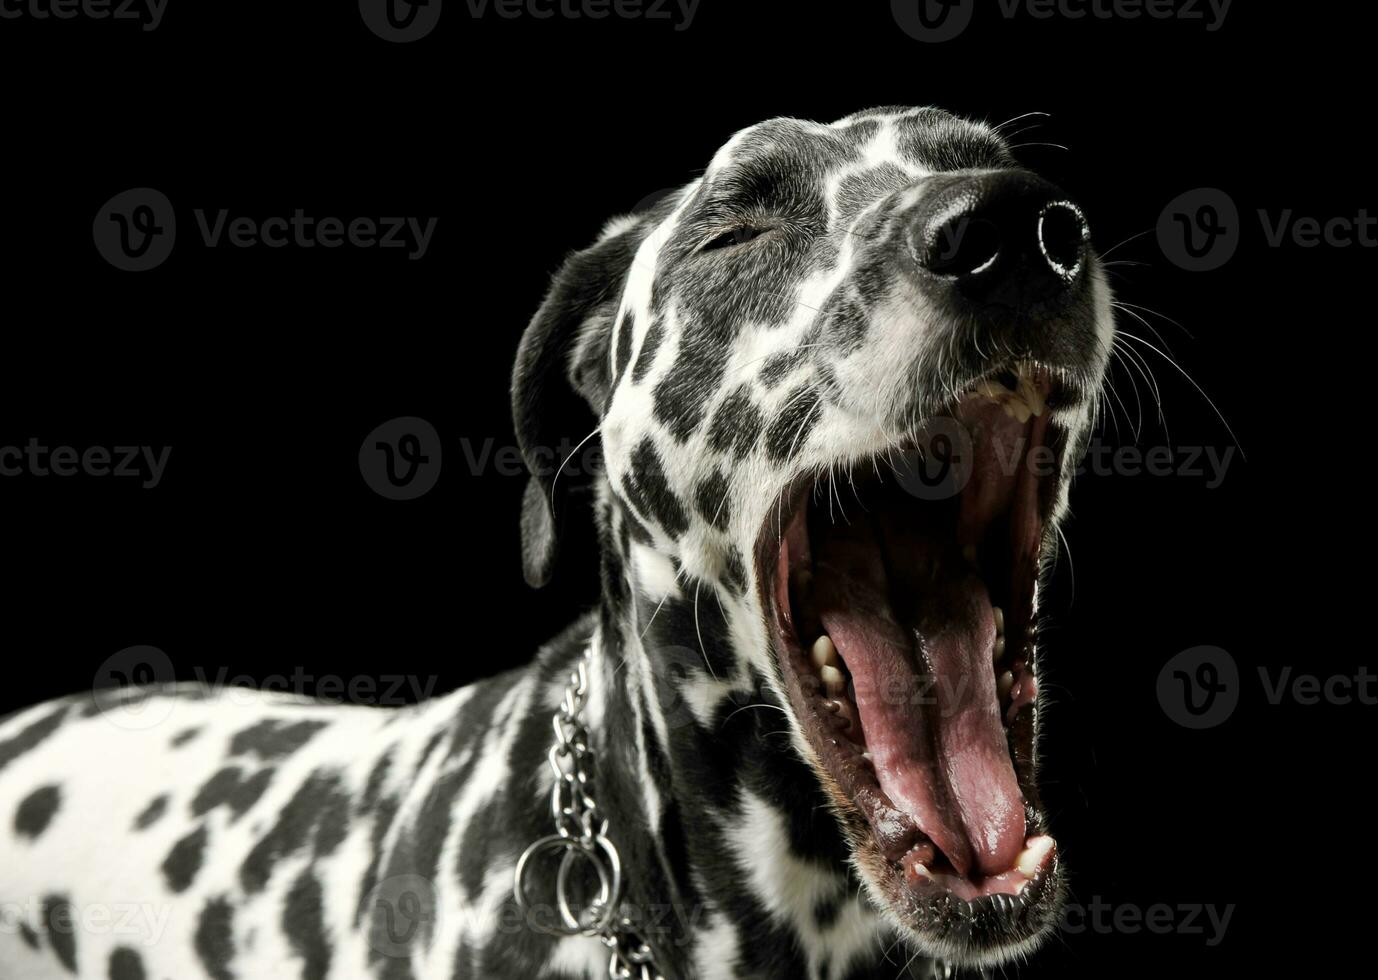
<point>1004,684</point>
<point>823,653</point>
<point>993,390</point>
<point>1031,395</point>
<point>999,621</point>
<point>833,681</point>
<point>1035,850</point>
<point>999,650</point>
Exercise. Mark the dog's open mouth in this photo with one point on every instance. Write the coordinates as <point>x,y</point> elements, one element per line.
<point>903,601</point>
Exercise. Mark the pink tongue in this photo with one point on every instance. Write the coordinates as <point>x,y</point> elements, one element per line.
<point>935,735</point>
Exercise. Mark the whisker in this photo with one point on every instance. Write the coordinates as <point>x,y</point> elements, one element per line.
<point>1192,381</point>
<point>1126,242</point>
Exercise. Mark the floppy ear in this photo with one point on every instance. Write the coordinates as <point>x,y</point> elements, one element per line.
<point>562,371</point>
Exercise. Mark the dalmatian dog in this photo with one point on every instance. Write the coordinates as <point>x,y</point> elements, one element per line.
<point>839,383</point>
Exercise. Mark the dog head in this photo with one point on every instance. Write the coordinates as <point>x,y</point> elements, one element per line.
<point>840,383</point>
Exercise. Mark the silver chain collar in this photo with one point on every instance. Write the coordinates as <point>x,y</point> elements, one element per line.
<point>581,835</point>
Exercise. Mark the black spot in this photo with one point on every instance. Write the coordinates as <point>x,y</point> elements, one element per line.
<point>429,747</point>
<point>376,778</point>
<point>36,811</point>
<point>304,924</point>
<point>273,738</point>
<point>649,346</point>
<point>649,492</point>
<point>332,827</point>
<point>432,824</point>
<point>250,791</point>
<point>625,329</point>
<point>382,821</point>
<point>941,141</point>
<point>691,636</point>
<point>826,910</point>
<point>292,830</point>
<point>736,424</point>
<point>182,863</point>
<point>184,736</point>
<point>60,926</point>
<point>680,399</point>
<point>464,961</point>
<point>712,500</point>
<point>858,191</point>
<point>216,791</point>
<point>636,531</point>
<point>27,934</point>
<point>228,788</point>
<point>777,366</point>
<point>790,430</point>
<point>126,964</point>
<point>151,813</point>
<point>30,736</point>
<point>214,939</point>
<point>734,572</point>
<point>845,322</point>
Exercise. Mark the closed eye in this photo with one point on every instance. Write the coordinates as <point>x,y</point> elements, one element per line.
<point>733,236</point>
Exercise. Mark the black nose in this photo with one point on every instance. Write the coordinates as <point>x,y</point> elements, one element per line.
<point>1005,237</point>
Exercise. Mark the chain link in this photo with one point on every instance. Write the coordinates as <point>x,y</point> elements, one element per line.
<point>581,836</point>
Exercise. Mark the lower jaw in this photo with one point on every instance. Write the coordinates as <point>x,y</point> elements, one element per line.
<point>889,844</point>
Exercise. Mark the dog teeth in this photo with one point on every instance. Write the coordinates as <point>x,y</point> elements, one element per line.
<point>1020,404</point>
<point>1031,395</point>
<point>833,681</point>
<point>998,651</point>
<point>824,653</point>
<point>1035,850</point>
<point>1004,684</point>
<point>999,621</point>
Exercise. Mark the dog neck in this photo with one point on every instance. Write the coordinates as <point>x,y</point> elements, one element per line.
<point>733,864</point>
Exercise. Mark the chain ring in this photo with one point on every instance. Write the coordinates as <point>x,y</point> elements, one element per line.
<point>581,832</point>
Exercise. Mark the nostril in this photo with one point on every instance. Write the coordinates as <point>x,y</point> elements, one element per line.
<point>962,246</point>
<point>1062,237</point>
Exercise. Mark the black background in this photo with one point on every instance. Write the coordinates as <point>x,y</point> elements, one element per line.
<point>264,553</point>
